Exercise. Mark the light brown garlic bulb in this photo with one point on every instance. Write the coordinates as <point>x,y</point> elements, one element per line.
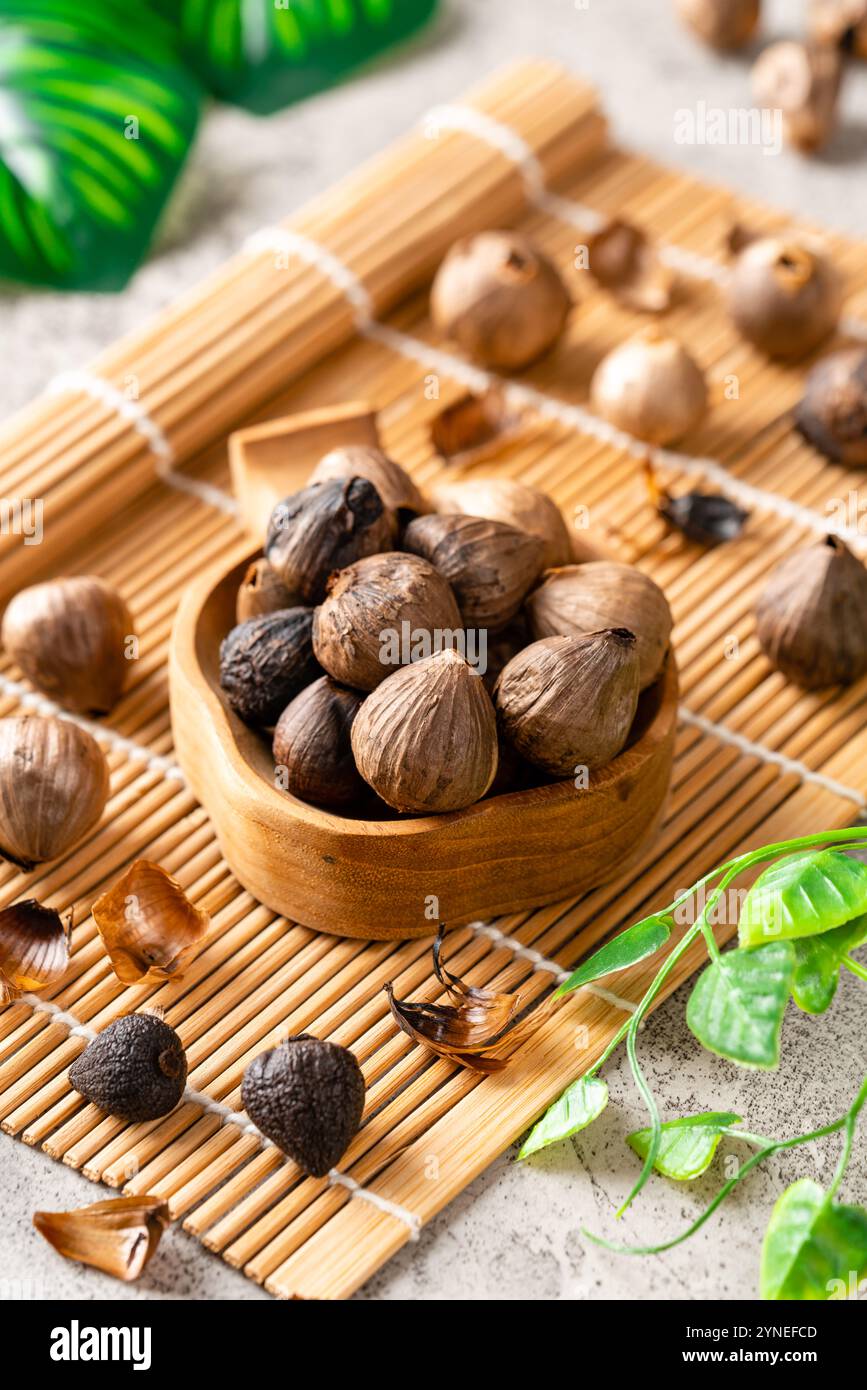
<point>394,485</point>
<point>490,566</point>
<point>515,504</point>
<point>53,788</point>
<point>784,296</point>
<point>811,616</point>
<point>650,387</point>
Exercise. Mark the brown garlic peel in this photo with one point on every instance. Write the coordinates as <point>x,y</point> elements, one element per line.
<point>69,636</point>
<point>396,488</point>
<point>426,738</point>
<point>490,566</point>
<point>34,948</point>
<point>312,746</point>
<point>650,387</point>
<point>832,413</point>
<point>148,924</point>
<point>476,427</point>
<point>783,296</point>
<point>584,598</point>
<point>803,81</point>
<point>840,22</point>
<point>514,504</point>
<point>376,612</point>
<point>118,1236</point>
<point>811,616</point>
<point>500,299</point>
<point>721,23</point>
<point>568,703</point>
<point>54,785</point>
<point>623,260</point>
<point>323,528</point>
<point>261,592</point>
<point>265,661</point>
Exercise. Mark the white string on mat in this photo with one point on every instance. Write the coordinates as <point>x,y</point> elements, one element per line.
<point>283,241</point>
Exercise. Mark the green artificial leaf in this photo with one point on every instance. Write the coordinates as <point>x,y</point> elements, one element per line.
<point>813,1247</point>
<point>817,964</point>
<point>96,118</point>
<point>580,1104</point>
<point>736,1008</point>
<point>803,895</point>
<point>687,1146</point>
<point>263,54</point>
<point>631,946</point>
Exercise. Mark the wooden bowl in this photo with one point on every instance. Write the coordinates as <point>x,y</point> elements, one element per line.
<point>399,876</point>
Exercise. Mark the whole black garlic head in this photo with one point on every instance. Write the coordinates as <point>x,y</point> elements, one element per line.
<point>307,1096</point>
<point>323,528</point>
<point>426,738</point>
<point>721,23</point>
<point>514,504</point>
<point>54,785</point>
<point>312,748</point>
<point>811,616</point>
<point>651,387</point>
<point>261,592</point>
<point>135,1069</point>
<point>803,81</point>
<point>489,565</point>
<point>499,299</point>
<point>832,413</point>
<point>70,638</point>
<point>376,612</point>
<point>396,488</point>
<point>784,296</point>
<point>265,661</point>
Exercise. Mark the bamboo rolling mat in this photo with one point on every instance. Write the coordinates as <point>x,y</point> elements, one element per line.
<point>756,760</point>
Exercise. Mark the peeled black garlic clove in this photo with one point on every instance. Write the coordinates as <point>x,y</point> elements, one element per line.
<point>426,738</point>
<point>54,785</point>
<point>784,296</point>
<point>568,703</point>
<point>515,504</point>
<point>307,1096</point>
<point>721,23</point>
<point>832,413</point>
<point>118,1236</point>
<point>265,661</point>
<point>396,488</point>
<point>135,1069</point>
<point>148,924</point>
<point>803,81</point>
<point>579,599</point>
<point>312,747</point>
<point>489,565</point>
<point>262,592</point>
<point>34,948</point>
<point>381,613</point>
<point>69,636</point>
<point>500,299</point>
<point>651,387</point>
<point>811,616</point>
<point>323,528</point>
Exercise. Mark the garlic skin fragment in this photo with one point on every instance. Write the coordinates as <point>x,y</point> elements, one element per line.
<point>148,924</point>
<point>34,949</point>
<point>650,387</point>
<point>118,1236</point>
<point>54,785</point>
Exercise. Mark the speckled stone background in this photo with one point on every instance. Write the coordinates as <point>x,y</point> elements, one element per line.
<point>516,1232</point>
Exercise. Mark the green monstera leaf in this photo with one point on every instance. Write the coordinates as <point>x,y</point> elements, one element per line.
<point>96,117</point>
<point>263,54</point>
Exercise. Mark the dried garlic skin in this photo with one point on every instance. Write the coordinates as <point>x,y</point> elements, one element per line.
<point>489,565</point>
<point>265,661</point>
<point>784,297</point>
<point>811,616</point>
<point>69,636</point>
<point>261,592</point>
<point>832,413</point>
<point>312,746</point>
<point>148,924</point>
<point>723,24</point>
<point>118,1236</point>
<point>514,504</point>
<point>135,1069</point>
<point>650,387</point>
<point>34,948</point>
<point>324,527</point>
<point>396,488</point>
<point>623,260</point>
<point>802,80</point>
<point>54,785</point>
<point>307,1096</point>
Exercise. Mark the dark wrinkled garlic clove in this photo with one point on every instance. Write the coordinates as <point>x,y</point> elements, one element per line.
<point>811,616</point>
<point>514,504</point>
<point>784,296</point>
<point>624,261</point>
<point>651,387</point>
<point>803,81</point>
<point>307,1096</point>
<point>265,661</point>
<point>135,1069</point>
<point>396,488</point>
<point>34,948</point>
<point>148,924</point>
<point>721,23</point>
<point>490,566</point>
<point>54,785</point>
<point>381,613</point>
<point>579,599</point>
<point>500,299</point>
<point>262,592</point>
<point>323,528</point>
<point>426,738</point>
<point>832,413</point>
<point>568,703</point>
<point>312,748</point>
<point>840,22</point>
<point>118,1236</point>
<point>69,636</point>
<point>707,518</point>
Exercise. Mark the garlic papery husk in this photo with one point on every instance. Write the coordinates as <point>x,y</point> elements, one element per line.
<point>34,948</point>
<point>490,566</point>
<point>118,1236</point>
<point>394,485</point>
<point>784,296</point>
<point>70,638</point>
<point>584,598</point>
<point>811,616</point>
<point>567,703</point>
<point>650,387</point>
<point>426,738</point>
<point>324,527</point>
<point>148,924</point>
<point>53,787</point>
<point>623,260</point>
<point>832,413</point>
<point>515,504</point>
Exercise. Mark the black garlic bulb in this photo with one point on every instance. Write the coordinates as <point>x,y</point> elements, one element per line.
<point>833,412</point>
<point>811,616</point>
<point>307,1096</point>
<point>323,528</point>
<point>266,661</point>
<point>312,749</point>
<point>135,1069</point>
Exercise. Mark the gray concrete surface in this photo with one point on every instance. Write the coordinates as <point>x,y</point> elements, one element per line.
<point>515,1233</point>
